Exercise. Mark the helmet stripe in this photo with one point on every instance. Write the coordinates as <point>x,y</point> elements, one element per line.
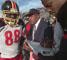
<point>13,5</point>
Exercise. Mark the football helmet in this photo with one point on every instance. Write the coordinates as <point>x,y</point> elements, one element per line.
<point>10,12</point>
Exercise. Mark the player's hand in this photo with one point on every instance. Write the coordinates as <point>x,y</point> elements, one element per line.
<point>26,46</point>
<point>47,43</point>
<point>36,57</point>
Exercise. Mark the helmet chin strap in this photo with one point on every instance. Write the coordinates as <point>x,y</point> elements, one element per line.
<point>10,22</point>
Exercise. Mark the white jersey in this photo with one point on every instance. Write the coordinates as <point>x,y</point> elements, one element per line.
<point>9,41</point>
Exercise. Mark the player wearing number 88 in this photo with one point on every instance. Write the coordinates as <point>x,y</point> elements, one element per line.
<point>10,33</point>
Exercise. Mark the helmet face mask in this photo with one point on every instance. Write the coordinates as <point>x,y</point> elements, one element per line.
<point>10,12</point>
<point>10,19</point>
<point>12,15</point>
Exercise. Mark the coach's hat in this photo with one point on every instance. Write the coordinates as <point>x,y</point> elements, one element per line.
<point>32,12</point>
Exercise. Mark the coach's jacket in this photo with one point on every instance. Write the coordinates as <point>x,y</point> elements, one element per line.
<point>43,30</point>
<point>43,35</point>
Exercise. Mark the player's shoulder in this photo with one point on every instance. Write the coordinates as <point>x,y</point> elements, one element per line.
<point>2,23</point>
<point>1,28</point>
<point>18,25</point>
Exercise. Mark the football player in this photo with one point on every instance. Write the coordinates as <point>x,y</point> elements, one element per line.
<point>10,32</point>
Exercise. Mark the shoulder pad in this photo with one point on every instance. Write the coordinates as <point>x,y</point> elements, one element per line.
<point>1,28</point>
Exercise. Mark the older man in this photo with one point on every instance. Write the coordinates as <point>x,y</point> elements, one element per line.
<point>41,35</point>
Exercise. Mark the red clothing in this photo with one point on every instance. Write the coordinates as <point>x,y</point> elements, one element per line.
<point>28,27</point>
<point>65,36</point>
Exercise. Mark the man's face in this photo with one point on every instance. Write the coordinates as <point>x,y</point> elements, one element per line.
<point>33,18</point>
<point>10,19</point>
